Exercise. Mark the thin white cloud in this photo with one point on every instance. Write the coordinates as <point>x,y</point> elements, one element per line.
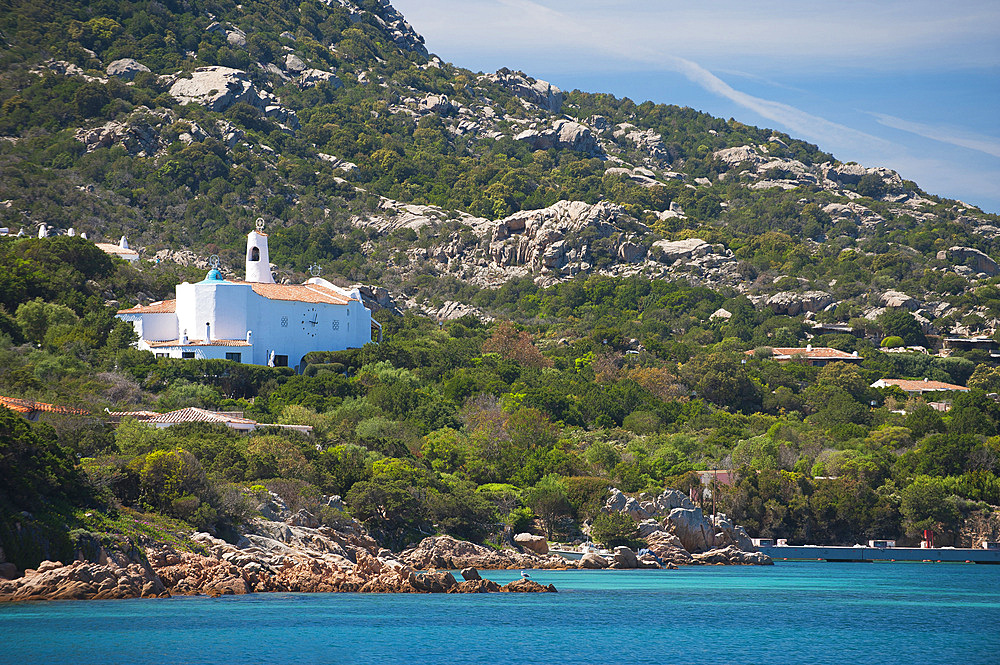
<point>777,34</point>
<point>958,137</point>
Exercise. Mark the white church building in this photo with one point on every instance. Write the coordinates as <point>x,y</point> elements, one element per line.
<point>254,321</point>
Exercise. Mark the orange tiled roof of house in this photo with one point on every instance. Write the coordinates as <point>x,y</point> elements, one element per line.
<point>300,293</point>
<point>30,405</point>
<point>913,386</point>
<point>159,307</point>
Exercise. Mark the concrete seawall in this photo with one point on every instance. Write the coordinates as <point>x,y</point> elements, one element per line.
<point>825,553</point>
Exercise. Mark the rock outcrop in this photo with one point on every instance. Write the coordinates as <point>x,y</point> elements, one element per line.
<point>791,303</point>
<point>537,544</point>
<point>563,135</point>
<point>126,68</point>
<point>542,94</point>
<point>447,552</point>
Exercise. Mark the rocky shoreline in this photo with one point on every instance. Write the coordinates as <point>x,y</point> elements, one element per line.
<point>279,557</point>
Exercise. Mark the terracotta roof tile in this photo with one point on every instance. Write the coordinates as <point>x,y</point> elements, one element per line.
<point>910,386</point>
<point>29,405</point>
<point>300,293</point>
<point>160,307</point>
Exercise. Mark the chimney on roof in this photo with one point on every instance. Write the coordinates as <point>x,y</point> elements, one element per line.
<point>184,337</point>
<point>809,347</point>
<point>123,243</point>
<point>249,336</point>
<point>855,354</point>
<point>925,379</point>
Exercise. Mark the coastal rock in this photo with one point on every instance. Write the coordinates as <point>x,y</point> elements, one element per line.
<point>593,561</point>
<point>527,586</point>
<point>732,555</point>
<point>448,553</point>
<point>432,582</point>
<point>537,544</point>
<point>695,532</point>
<point>625,558</point>
<point>470,574</point>
<point>476,586</point>
<point>80,580</point>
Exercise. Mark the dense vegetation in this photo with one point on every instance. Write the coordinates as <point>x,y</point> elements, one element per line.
<point>466,427</point>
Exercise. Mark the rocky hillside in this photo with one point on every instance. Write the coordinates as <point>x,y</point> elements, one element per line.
<point>178,124</point>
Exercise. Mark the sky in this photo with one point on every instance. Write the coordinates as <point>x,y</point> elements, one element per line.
<point>913,85</point>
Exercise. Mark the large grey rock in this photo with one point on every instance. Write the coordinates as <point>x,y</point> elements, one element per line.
<point>126,68</point>
<point>738,155</point>
<point>672,250</point>
<point>438,582</point>
<point>435,104</point>
<point>791,303</point>
<point>563,135</point>
<point>294,64</point>
<point>733,556</point>
<point>216,88</point>
<point>980,261</point>
<point>313,77</point>
<point>625,558</point>
<point>695,532</point>
<point>593,561</point>
<point>899,300</point>
<point>537,544</point>
<point>540,93</point>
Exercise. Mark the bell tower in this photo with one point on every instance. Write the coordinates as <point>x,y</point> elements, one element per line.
<point>258,261</point>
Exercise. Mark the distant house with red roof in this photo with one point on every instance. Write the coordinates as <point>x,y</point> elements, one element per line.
<point>918,387</point>
<point>816,356</point>
<point>31,409</point>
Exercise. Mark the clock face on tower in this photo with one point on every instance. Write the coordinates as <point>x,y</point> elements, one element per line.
<point>310,321</point>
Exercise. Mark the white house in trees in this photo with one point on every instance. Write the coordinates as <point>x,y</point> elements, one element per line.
<point>254,321</point>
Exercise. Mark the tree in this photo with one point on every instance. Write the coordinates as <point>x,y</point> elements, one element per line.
<point>925,504</point>
<point>900,323</point>
<point>549,500</point>
<point>612,529</point>
<point>516,345</point>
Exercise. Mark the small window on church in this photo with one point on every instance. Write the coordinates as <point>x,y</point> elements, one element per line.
<point>187,354</point>
<point>336,324</point>
<point>284,322</point>
<point>255,254</point>
<point>238,357</point>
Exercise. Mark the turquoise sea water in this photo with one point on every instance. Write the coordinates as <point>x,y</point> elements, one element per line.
<point>789,613</point>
